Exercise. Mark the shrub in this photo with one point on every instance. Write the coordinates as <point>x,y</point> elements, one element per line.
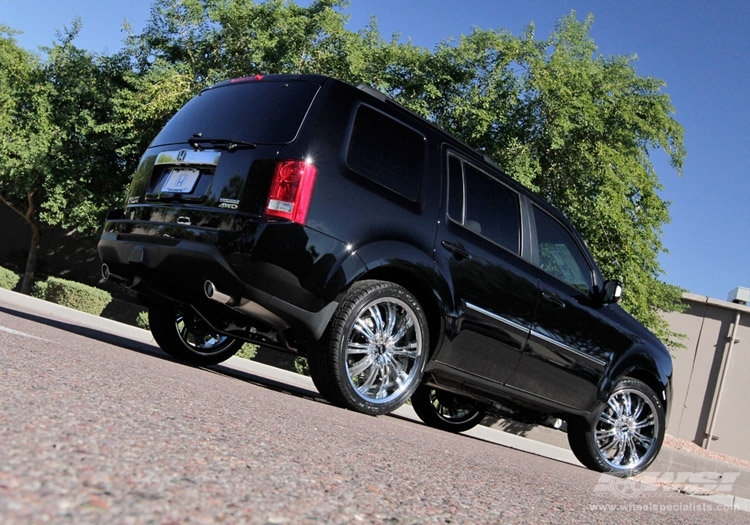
<point>142,321</point>
<point>301,366</point>
<point>248,351</point>
<point>73,295</point>
<point>8,279</point>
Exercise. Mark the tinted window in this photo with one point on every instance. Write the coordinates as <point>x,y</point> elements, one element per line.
<point>258,112</point>
<point>387,152</point>
<point>455,190</point>
<point>559,253</point>
<point>489,208</point>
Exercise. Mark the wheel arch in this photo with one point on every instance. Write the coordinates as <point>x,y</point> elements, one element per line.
<point>646,366</point>
<point>421,291</point>
<point>406,265</point>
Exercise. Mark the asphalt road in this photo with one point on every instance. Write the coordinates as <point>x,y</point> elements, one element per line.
<point>98,426</point>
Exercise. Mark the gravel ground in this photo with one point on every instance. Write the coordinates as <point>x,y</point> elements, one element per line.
<point>689,446</point>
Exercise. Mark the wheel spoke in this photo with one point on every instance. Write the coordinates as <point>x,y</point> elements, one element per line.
<point>372,374</point>
<point>360,366</point>
<point>354,348</point>
<point>607,419</point>
<point>361,327</point>
<point>646,441</point>
<point>648,422</point>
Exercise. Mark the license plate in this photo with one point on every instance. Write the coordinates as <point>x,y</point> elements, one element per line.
<point>180,181</point>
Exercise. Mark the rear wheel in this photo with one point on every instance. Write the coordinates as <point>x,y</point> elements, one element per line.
<point>184,335</point>
<point>372,356</point>
<point>627,435</point>
<point>446,411</point>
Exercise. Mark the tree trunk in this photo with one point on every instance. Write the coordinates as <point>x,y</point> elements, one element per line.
<point>32,259</point>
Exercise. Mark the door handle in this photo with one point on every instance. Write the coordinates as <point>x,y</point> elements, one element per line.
<point>553,298</point>
<point>457,249</point>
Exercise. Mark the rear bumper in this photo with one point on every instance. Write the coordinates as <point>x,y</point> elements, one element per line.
<point>176,270</point>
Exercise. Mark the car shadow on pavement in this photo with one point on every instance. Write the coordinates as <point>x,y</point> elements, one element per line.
<point>88,332</point>
<point>277,385</point>
<point>153,350</point>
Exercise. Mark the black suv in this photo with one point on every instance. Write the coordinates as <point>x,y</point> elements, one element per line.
<point>306,214</point>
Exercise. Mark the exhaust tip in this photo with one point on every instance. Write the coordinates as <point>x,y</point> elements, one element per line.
<point>105,272</point>
<point>215,295</point>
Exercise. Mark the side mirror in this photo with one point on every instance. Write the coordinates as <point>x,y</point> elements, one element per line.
<point>612,292</point>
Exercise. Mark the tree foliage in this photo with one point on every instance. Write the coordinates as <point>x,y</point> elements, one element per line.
<point>58,162</point>
<point>576,126</point>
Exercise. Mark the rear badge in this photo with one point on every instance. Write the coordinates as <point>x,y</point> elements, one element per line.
<point>229,204</point>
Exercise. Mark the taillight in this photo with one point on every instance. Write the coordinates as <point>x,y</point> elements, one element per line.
<point>291,190</point>
<point>247,79</point>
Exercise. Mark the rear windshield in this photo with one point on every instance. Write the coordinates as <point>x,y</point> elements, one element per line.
<point>257,112</point>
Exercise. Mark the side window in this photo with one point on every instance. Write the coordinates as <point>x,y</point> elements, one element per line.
<point>387,152</point>
<point>559,254</point>
<point>483,205</point>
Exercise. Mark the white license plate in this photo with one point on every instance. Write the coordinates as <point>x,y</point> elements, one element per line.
<point>180,181</point>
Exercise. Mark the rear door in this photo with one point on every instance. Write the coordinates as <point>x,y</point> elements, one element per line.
<point>478,248</point>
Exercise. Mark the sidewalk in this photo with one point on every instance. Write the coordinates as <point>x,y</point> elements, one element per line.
<point>540,441</point>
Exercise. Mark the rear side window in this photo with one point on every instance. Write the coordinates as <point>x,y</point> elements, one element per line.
<point>483,205</point>
<point>257,112</point>
<point>387,152</point>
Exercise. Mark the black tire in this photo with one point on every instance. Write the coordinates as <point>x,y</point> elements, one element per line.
<point>184,335</point>
<point>445,410</point>
<point>628,432</point>
<point>373,353</point>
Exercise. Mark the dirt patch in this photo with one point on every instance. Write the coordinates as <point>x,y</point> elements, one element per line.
<point>689,446</point>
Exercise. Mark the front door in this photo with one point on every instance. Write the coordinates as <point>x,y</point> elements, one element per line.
<point>572,339</point>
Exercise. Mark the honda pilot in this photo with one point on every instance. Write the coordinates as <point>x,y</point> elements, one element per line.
<point>312,216</point>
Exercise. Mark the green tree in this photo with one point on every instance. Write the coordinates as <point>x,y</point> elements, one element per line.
<point>27,134</point>
<point>590,126</point>
<point>58,162</point>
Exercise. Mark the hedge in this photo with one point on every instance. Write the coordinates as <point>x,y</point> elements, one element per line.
<point>8,279</point>
<point>72,294</point>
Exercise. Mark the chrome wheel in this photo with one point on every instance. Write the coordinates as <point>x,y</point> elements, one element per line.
<point>627,429</point>
<point>374,350</point>
<point>627,434</point>
<point>383,350</point>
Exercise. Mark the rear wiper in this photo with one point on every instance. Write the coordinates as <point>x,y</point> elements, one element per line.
<point>199,143</point>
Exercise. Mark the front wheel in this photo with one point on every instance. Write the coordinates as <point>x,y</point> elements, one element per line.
<point>446,411</point>
<point>374,350</point>
<point>184,335</point>
<point>626,436</point>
